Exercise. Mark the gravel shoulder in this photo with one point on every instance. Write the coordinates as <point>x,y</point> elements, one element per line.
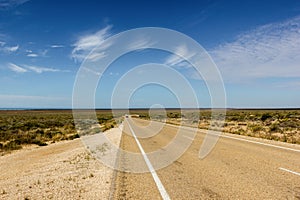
<point>64,170</point>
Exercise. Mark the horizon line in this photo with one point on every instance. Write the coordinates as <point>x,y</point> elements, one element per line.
<point>147,108</point>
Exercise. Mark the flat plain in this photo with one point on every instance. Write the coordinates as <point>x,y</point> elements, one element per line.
<point>256,157</point>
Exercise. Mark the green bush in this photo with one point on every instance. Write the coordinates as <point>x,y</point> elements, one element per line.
<point>265,116</point>
<point>275,128</point>
<point>255,128</point>
<point>72,137</point>
<point>12,145</point>
<point>38,142</point>
<point>174,115</point>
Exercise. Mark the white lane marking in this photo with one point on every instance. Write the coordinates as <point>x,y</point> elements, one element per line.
<point>290,171</point>
<point>158,183</point>
<point>188,137</point>
<point>241,139</point>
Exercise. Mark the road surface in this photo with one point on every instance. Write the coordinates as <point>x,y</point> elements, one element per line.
<point>237,168</point>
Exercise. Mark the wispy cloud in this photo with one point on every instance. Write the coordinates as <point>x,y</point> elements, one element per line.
<point>96,56</point>
<point>92,71</point>
<point>10,49</point>
<point>40,70</point>
<point>30,68</point>
<point>57,46</point>
<point>85,44</point>
<point>141,43</point>
<point>7,4</point>
<point>4,46</point>
<point>41,53</point>
<point>178,59</point>
<point>271,50</point>
<point>16,68</point>
<point>32,55</point>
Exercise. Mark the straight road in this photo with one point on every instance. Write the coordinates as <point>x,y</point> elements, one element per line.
<point>237,168</point>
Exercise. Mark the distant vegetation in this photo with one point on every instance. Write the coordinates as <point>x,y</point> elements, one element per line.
<point>280,125</point>
<point>19,128</point>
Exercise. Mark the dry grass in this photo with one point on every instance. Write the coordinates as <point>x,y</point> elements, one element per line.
<point>280,125</point>
<point>41,127</point>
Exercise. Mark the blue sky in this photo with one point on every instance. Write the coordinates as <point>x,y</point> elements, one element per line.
<point>255,45</point>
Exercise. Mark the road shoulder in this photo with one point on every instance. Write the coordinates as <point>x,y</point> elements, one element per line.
<point>63,170</point>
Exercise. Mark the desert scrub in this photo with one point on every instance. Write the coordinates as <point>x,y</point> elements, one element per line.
<point>255,127</point>
<point>41,127</point>
<point>275,127</point>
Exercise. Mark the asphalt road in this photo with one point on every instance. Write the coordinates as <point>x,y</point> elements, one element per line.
<point>237,168</point>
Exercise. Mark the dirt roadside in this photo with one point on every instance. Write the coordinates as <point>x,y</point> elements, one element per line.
<point>63,170</point>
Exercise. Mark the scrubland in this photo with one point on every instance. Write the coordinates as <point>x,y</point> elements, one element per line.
<point>42,127</point>
<point>280,125</point>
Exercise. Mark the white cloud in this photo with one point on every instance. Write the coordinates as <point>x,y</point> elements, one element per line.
<point>36,69</point>
<point>85,44</point>
<point>40,70</point>
<point>96,56</point>
<point>92,71</point>
<point>32,55</point>
<point>16,68</point>
<point>11,49</point>
<point>35,55</point>
<point>179,61</point>
<point>7,4</point>
<point>271,50</point>
<point>57,46</point>
<point>140,43</point>
<point>4,47</point>
<point>181,54</point>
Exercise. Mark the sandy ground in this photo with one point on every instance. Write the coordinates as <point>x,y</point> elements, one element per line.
<point>63,170</point>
